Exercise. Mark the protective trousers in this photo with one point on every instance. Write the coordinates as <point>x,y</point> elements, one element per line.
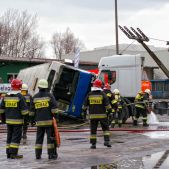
<point>50,141</point>
<point>117,116</point>
<point>93,130</point>
<point>141,112</point>
<point>25,128</point>
<point>14,134</point>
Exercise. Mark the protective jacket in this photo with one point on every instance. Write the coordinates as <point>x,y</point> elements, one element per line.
<point>139,101</point>
<point>15,108</point>
<point>98,103</point>
<point>112,100</point>
<point>44,107</point>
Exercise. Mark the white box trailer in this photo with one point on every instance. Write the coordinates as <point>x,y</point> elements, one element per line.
<point>124,72</point>
<point>31,75</point>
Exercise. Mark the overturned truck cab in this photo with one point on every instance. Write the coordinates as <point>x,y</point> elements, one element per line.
<point>69,85</point>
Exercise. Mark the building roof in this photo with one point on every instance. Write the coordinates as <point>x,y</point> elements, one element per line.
<point>39,60</point>
<point>96,54</point>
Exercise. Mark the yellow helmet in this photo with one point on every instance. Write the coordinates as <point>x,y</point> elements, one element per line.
<point>116,91</point>
<point>43,83</point>
<point>24,86</point>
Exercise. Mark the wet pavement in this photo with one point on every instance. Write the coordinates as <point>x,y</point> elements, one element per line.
<point>130,150</point>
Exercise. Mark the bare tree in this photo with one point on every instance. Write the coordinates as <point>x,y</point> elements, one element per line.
<point>17,35</point>
<point>58,44</point>
<point>65,43</point>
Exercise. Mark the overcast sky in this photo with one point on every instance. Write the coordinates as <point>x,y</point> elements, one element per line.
<point>93,21</point>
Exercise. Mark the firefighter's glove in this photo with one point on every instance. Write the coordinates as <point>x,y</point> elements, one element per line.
<point>33,123</point>
<point>2,121</point>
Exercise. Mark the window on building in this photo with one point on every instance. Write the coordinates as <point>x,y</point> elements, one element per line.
<point>11,76</point>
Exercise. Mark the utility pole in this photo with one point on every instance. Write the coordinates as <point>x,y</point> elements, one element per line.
<point>116,28</point>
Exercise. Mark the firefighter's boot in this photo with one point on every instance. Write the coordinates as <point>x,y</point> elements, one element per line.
<point>38,157</point>
<point>53,156</point>
<point>8,155</point>
<point>145,123</point>
<point>24,141</point>
<point>135,123</point>
<point>113,124</point>
<point>24,136</point>
<point>93,146</point>
<point>107,144</point>
<point>16,156</point>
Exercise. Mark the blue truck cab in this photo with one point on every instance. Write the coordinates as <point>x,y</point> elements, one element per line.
<point>68,84</point>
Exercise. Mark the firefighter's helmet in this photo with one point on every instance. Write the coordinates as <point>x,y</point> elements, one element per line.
<point>116,91</point>
<point>147,91</point>
<point>107,86</point>
<point>16,84</point>
<point>43,83</point>
<point>24,86</point>
<point>97,83</point>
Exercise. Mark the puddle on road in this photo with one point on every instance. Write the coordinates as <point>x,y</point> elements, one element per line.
<point>158,134</point>
<point>155,131</point>
<point>158,160</point>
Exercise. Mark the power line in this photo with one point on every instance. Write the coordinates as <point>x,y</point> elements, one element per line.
<point>167,42</point>
<point>127,47</point>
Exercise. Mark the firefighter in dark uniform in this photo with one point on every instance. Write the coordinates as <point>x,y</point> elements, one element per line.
<point>117,106</point>
<point>98,105</point>
<point>111,97</point>
<point>43,109</point>
<point>15,108</point>
<point>108,92</point>
<point>28,99</point>
<point>141,109</point>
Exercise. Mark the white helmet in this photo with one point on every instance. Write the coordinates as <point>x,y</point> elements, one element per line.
<point>24,86</point>
<point>147,91</point>
<point>116,91</point>
<point>43,83</point>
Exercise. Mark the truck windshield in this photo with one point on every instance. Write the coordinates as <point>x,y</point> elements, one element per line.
<point>108,76</point>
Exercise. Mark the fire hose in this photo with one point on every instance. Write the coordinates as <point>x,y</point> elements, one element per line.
<point>67,129</point>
